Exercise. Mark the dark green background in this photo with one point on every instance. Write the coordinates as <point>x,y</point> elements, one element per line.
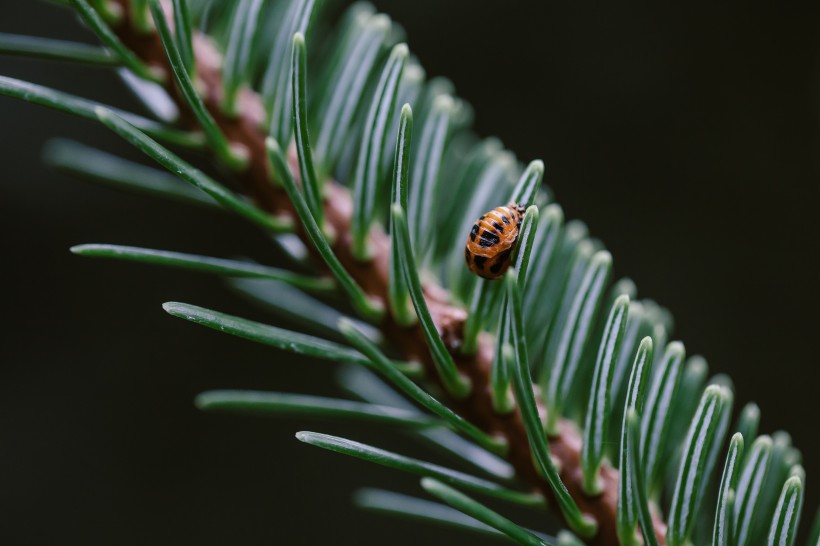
<point>686,138</point>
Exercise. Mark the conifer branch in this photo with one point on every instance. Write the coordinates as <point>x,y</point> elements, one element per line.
<point>245,129</point>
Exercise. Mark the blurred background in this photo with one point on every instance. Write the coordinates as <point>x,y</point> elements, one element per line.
<point>687,139</point>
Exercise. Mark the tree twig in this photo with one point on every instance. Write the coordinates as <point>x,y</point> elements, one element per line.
<point>245,130</point>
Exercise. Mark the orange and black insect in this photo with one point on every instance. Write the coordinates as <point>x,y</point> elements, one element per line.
<point>492,241</point>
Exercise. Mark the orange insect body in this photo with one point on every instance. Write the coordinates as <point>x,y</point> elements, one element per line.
<point>492,240</point>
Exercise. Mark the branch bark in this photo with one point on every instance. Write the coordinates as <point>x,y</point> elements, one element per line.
<point>246,130</point>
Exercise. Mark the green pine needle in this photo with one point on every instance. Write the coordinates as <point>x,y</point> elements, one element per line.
<point>294,307</point>
<point>415,509</point>
<point>365,385</point>
<point>238,51</point>
<point>285,340</point>
<point>783,531</point>
<point>140,18</point>
<point>346,86</point>
<point>480,512</point>
<point>101,167</point>
<point>542,294</point>
<point>749,486</point>
<point>503,401</point>
<point>722,534</point>
<point>190,174</point>
<point>500,378</point>
<point>657,415</point>
<point>784,462</point>
<point>704,434</point>
<point>399,293</point>
<point>627,516</point>
<point>368,178</point>
<point>84,108</point>
<point>485,298</point>
<point>424,399</point>
<point>425,173</point>
<point>94,20</point>
<point>231,156</point>
<point>529,183</point>
<point>636,329</point>
<point>278,403</point>
<point>575,334</point>
<point>454,381</point>
<point>695,372</point>
<point>276,83</point>
<point>525,397</point>
<point>575,254</point>
<point>526,238</point>
<point>311,185</point>
<point>183,36</point>
<point>204,264</point>
<point>638,487</point>
<point>364,304</point>
<point>600,401</point>
<point>405,506</point>
<point>420,468</point>
<point>56,50</point>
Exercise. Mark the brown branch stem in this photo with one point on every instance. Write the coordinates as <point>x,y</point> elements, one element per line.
<point>245,129</point>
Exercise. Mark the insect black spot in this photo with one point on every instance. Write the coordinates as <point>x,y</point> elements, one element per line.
<point>505,219</point>
<point>467,255</point>
<point>474,232</point>
<point>500,261</point>
<point>488,239</point>
<point>480,261</point>
<point>499,227</point>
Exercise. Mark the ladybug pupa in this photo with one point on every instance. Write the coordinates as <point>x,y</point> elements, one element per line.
<point>492,240</point>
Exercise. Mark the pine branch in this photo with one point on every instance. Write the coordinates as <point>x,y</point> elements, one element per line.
<point>236,127</point>
<point>244,131</point>
<point>545,310</point>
